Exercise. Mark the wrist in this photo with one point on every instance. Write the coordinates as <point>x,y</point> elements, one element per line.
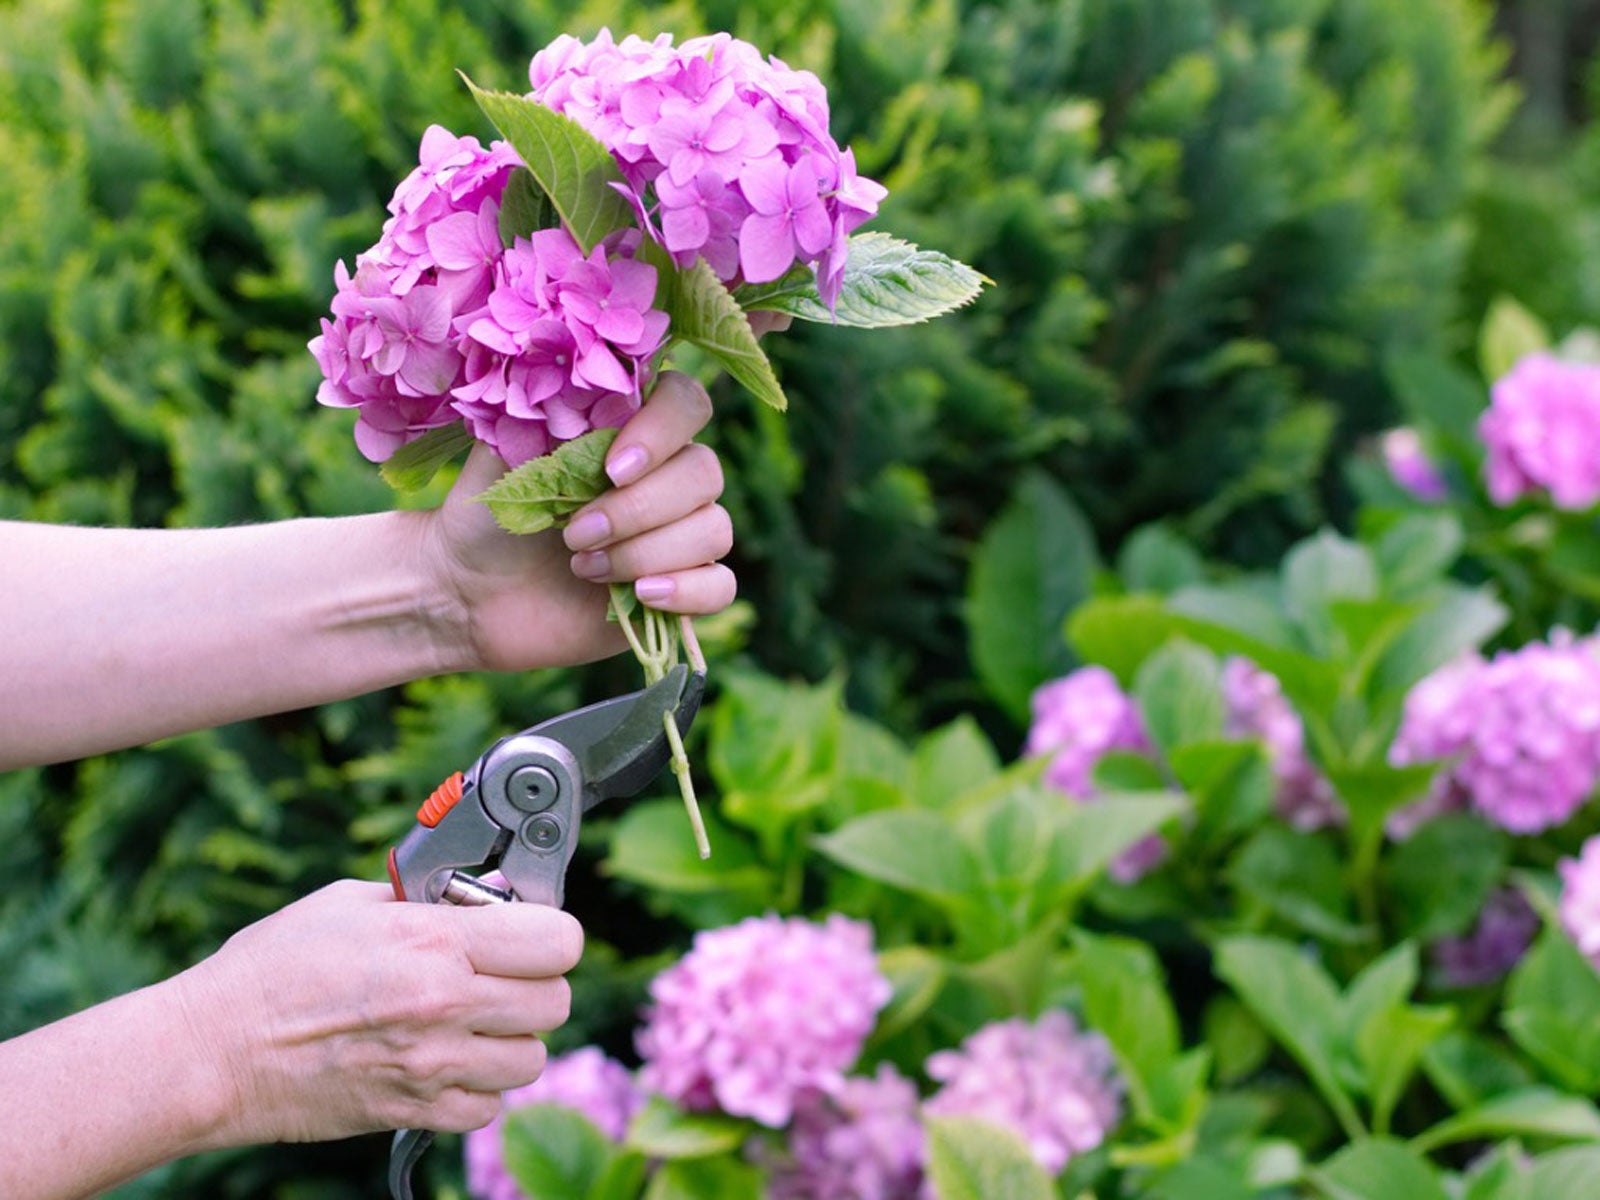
<point>210,1096</point>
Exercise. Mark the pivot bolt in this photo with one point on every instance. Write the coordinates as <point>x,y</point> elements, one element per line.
<point>532,789</point>
<point>542,832</point>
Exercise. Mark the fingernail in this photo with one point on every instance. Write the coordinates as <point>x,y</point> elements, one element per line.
<point>627,465</point>
<point>588,529</point>
<point>591,564</point>
<point>654,587</point>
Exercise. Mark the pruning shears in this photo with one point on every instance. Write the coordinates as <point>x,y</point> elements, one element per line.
<point>517,809</point>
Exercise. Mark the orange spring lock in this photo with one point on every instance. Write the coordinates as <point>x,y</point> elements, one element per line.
<point>442,801</point>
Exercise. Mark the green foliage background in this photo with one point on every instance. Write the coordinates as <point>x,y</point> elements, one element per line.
<point>1209,223</point>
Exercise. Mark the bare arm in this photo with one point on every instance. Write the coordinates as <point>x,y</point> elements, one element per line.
<point>114,637</point>
<point>345,1013</point>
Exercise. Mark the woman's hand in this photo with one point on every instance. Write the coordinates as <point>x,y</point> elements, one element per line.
<point>531,600</point>
<point>348,1012</point>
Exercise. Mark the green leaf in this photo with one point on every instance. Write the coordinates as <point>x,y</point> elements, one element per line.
<point>1536,1112</point>
<point>660,1130</point>
<point>1120,632</point>
<point>411,467</point>
<point>1033,566</point>
<point>951,761</point>
<point>1155,559</point>
<point>1320,570</point>
<point>1439,878</point>
<point>1298,1003</point>
<point>886,282</point>
<point>553,1150</point>
<point>525,207</point>
<point>1468,1068</point>
<point>1564,1174</point>
<point>705,1179</point>
<point>1439,396</point>
<point>1510,333</point>
<point>1389,1046</point>
<point>1417,551</point>
<point>1179,693</point>
<point>705,314</point>
<point>572,168</point>
<point>1461,619</point>
<point>652,845</point>
<point>544,491</point>
<point>1298,877</point>
<point>1378,1169</point>
<point>911,849</point>
<point>1551,999</point>
<point>917,976</point>
<point>973,1160</point>
<point>1090,836</point>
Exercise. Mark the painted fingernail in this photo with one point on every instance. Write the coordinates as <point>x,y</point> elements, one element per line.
<point>627,465</point>
<point>654,587</point>
<point>588,529</point>
<point>591,564</point>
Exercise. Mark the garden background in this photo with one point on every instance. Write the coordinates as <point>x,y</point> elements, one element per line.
<point>1232,245</point>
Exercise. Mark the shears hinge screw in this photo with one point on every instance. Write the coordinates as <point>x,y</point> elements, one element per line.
<point>532,789</point>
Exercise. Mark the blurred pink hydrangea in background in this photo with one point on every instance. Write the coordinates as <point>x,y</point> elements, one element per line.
<point>1257,707</point>
<point>759,1013</point>
<point>1496,942</point>
<point>1580,899</point>
<point>859,1140</point>
<point>1520,733</point>
<point>1077,720</point>
<point>1409,465</point>
<point>1053,1084</point>
<point>586,1080</point>
<point>1542,431</point>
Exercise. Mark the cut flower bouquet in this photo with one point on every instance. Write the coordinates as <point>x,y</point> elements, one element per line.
<point>526,294</point>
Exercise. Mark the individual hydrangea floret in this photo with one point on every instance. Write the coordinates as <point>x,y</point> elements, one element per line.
<point>1579,907</point>
<point>759,1013</point>
<point>726,152</point>
<point>1542,431</point>
<point>1052,1083</point>
<point>1257,708</point>
<point>1497,941</point>
<point>1077,720</point>
<point>1410,467</point>
<point>586,1080</point>
<point>1520,732</point>
<point>860,1140</point>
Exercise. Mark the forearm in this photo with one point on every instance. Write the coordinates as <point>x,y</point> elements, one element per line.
<point>115,637</point>
<point>105,1095</point>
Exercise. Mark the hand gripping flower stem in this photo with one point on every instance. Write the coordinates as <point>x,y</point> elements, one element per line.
<point>657,652</point>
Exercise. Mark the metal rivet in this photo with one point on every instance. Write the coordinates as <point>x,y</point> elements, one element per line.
<point>532,789</point>
<point>542,832</point>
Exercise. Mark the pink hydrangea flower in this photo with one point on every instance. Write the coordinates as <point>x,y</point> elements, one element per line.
<point>1542,431</point>
<point>759,1013</point>
<point>1077,720</point>
<point>1521,733</point>
<point>1579,906</point>
<point>585,1080</point>
<point>860,1140</point>
<point>1410,467</point>
<point>726,152</point>
<point>1497,941</point>
<point>1054,1085</point>
<point>1257,708</point>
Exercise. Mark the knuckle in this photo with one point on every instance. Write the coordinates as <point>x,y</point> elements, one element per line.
<point>721,531</point>
<point>459,1111</point>
<point>555,1004</point>
<point>706,463</point>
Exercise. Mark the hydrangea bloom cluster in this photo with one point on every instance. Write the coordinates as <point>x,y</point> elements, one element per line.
<point>532,345</point>
<point>597,1086</point>
<point>1542,431</point>
<point>1077,720</point>
<point>1410,467</point>
<point>1522,729</point>
<point>759,1013</point>
<point>1055,1085</point>
<point>1496,943</point>
<point>1257,708</point>
<point>1580,899</point>
<point>726,152</point>
<point>860,1140</point>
